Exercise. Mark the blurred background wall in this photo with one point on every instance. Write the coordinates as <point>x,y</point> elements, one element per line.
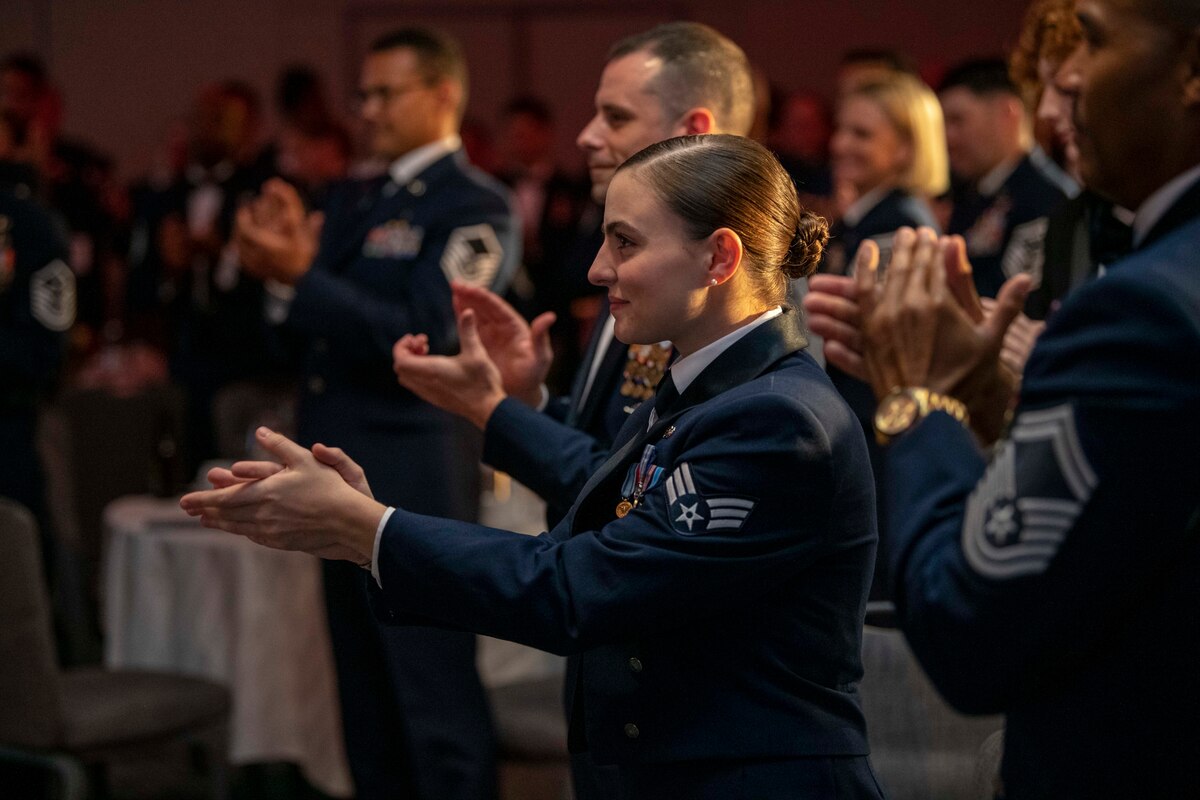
<point>129,68</point>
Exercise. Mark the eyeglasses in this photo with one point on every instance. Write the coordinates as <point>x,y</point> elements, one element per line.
<point>385,94</point>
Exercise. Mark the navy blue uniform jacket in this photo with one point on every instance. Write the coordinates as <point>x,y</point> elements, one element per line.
<point>415,716</point>
<point>1005,231</point>
<point>555,451</point>
<point>720,619</point>
<point>37,309</point>
<point>379,275</point>
<point>1060,584</point>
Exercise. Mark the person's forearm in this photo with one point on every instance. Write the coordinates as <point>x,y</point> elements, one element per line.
<point>356,523</point>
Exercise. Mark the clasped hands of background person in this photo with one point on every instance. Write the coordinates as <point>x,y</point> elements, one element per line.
<point>924,326</point>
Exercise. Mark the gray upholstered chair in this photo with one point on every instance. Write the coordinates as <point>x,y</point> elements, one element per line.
<point>91,715</point>
<point>921,748</point>
<point>98,447</point>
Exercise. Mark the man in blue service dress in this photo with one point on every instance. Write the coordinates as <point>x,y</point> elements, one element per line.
<point>675,79</point>
<point>37,309</point>
<point>1003,190</point>
<point>415,716</point>
<point>1058,583</point>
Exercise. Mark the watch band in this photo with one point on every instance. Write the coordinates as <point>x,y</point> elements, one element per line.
<point>903,407</point>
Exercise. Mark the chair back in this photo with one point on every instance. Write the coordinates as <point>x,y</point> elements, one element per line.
<point>921,748</point>
<point>30,693</point>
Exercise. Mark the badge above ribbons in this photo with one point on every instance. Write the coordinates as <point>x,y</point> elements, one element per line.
<point>690,513</point>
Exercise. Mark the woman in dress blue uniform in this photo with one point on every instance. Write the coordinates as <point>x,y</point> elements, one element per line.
<point>711,577</point>
<point>889,152</point>
<point>889,156</point>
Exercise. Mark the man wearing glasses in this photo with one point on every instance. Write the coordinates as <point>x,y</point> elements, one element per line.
<point>414,714</point>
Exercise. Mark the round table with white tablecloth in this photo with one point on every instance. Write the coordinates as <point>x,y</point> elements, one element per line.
<point>181,598</point>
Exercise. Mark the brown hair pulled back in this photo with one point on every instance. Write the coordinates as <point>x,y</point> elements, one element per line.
<point>723,181</point>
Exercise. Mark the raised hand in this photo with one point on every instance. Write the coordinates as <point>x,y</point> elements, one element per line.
<point>300,504</point>
<point>833,312</point>
<point>520,350</point>
<point>468,384</point>
<point>1022,335</point>
<point>275,237</point>
<point>917,333</point>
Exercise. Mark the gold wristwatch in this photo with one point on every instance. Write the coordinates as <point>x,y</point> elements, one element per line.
<point>903,408</point>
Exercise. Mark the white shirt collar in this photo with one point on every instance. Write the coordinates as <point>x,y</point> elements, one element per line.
<point>1156,205</point>
<point>414,162</point>
<point>688,368</point>
<point>863,205</point>
<point>990,184</point>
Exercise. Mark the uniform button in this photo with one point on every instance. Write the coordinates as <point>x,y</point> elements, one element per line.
<point>321,346</point>
<point>417,188</point>
<point>635,664</point>
<point>632,731</point>
<point>316,384</point>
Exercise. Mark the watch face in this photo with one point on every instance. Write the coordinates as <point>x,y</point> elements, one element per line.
<point>896,413</point>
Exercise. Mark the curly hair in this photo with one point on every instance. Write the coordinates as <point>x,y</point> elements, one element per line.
<point>1050,32</point>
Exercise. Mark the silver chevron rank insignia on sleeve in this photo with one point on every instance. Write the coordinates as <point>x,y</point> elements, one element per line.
<point>690,513</point>
<point>1030,497</point>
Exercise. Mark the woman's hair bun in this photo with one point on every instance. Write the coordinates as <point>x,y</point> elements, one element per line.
<point>808,243</point>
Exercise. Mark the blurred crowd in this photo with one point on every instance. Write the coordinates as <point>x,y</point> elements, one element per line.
<point>160,294</point>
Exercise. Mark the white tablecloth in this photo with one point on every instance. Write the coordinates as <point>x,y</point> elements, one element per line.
<point>181,598</point>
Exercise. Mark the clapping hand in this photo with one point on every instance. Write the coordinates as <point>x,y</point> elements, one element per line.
<point>319,502</point>
<point>275,237</point>
<point>520,350</point>
<point>468,384</point>
<point>920,328</point>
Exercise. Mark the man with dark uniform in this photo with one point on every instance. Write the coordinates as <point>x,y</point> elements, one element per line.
<point>1058,583</point>
<point>37,309</point>
<point>676,79</point>
<point>1002,193</point>
<point>415,715</point>
<point>187,291</point>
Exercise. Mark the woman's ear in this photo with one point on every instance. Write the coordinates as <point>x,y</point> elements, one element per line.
<point>726,249</point>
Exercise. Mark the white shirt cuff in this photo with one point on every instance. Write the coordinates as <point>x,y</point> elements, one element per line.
<point>375,549</point>
<point>545,401</point>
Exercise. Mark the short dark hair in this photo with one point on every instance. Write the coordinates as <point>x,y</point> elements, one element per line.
<point>701,69</point>
<point>28,65</point>
<point>439,55</point>
<point>241,90</point>
<point>529,106</point>
<point>983,76</point>
<point>296,85</point>
<point>723,181</point>
<point>882,56</point>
